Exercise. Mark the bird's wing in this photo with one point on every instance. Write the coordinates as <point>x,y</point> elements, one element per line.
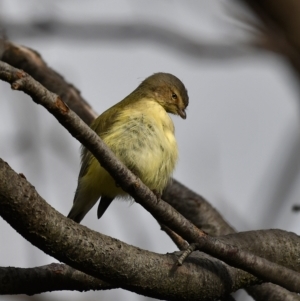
<point>100,125</point>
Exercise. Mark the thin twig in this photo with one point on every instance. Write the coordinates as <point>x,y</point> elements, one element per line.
<point>178,240</point>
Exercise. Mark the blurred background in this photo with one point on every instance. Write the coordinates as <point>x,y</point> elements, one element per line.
<point>239,146</point>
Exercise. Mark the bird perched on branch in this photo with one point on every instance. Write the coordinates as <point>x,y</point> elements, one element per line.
<point>141,134</point>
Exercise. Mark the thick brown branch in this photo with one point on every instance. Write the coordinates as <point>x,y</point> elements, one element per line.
<point>52,277</point>
<point>98,255</point>
<point>200,278</point>
<point>163,212</point>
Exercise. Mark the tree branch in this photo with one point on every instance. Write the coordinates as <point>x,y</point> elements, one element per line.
<point>196,209</point>
<point>52,277</point>
<point>200,278</point>
<point>103,257</point>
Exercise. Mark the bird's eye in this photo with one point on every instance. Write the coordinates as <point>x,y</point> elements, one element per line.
<point>174,96</point>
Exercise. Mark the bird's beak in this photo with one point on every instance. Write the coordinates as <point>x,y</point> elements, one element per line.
<point>182,113</point>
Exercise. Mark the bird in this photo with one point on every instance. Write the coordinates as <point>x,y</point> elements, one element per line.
<point>140,132</point>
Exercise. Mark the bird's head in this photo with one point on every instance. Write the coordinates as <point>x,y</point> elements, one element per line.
<point>168,91</point>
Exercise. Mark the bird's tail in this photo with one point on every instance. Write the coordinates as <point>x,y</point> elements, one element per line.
<point>83,203</point>
<point>103,205</point>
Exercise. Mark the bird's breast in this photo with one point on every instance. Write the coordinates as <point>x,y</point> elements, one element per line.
<point>143,139</point>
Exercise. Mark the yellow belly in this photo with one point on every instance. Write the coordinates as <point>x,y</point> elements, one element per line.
<point>144,142</point>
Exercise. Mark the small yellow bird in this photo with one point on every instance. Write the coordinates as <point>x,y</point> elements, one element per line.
<point>141,134</point>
